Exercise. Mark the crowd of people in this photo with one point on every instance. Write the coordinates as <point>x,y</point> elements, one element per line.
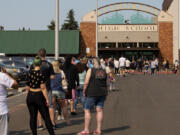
<point>124,66</point>
<point>58,86</point>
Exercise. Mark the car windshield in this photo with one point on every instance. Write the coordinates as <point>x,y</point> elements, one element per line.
<point>3,59</point>
<point>2,65</point>
<point>29,60</point>
<point>50,59</point>
<point>16,64</point>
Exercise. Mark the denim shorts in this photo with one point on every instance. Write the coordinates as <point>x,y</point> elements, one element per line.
<point>90,102</point>
<point>58,94</point>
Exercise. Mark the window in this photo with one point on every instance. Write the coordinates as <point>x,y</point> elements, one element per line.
<point>148,45</point>
<point>127,45</point>
<point>106,45</point>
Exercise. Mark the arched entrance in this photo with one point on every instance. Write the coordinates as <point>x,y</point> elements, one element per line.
<point>131,40</point>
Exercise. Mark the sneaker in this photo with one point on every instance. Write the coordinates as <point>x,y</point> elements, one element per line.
<point>40,128</point>
<point>56,111</point>
<point>62,117</point>
<point>59,117</point>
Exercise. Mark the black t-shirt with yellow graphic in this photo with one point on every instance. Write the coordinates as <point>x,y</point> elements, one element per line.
<point>35,79</point>
<point>47,69</point>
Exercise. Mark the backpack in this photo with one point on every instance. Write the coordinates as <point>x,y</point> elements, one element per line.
<point>64,82</point>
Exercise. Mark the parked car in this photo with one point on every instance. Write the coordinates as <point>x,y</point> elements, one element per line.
<point>18,70</point>
<point>29,61</point>
<point>50,59</point>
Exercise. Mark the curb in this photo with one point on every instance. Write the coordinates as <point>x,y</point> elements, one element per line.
<point>12,92</point>
<point>21,89</point>
<point>9,94</point>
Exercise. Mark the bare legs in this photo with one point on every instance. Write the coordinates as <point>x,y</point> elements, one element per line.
<point>64,109</point>
<point>72,105</point>
<point>99,119</point>
<point>87,118</point>
<point>51,113</point>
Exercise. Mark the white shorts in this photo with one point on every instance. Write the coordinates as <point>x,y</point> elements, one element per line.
<point>4,124</point>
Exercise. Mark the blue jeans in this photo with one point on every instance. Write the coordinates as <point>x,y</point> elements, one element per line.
<point>79,93</point>
<point>94,101</point>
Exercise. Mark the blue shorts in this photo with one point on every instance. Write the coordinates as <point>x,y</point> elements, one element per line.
<point>90,102</point>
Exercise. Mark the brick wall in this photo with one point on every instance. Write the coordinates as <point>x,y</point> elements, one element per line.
<point>88,38</point>
<point>166,40</point>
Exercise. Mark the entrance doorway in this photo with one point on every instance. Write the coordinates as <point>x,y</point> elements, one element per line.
<point>130,50</point>
<point>129,54</point>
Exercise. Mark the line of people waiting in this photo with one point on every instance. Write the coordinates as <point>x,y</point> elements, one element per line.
<point>123,66</point>
<point>62,83</point>
<point>65,82</point>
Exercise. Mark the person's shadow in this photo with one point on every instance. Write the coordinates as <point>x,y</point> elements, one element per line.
<point>74,122</point>
<point>111,130</point>
<point>105,131</point>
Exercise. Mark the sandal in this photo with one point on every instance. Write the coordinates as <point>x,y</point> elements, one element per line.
<point>83,133</point>
<point>96,132</point>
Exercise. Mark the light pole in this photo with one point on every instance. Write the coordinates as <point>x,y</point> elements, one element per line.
<point>57,31</point>
<point>96,28</point>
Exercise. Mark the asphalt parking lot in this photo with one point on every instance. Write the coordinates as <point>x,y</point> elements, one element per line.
<point>141,105</point>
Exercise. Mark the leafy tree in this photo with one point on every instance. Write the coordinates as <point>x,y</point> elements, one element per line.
<point>70,23</point>
<point>52,25</point>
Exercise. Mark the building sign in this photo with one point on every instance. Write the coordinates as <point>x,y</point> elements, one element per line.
<point>87,50</point>
<point>140,28</point>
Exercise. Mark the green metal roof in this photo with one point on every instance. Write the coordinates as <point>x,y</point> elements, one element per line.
<point>29,42</point>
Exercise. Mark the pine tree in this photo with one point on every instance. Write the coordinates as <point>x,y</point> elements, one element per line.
<point>70,23</point>
<point>52,25</point>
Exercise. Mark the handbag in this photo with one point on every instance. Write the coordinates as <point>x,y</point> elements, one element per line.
<point>64,84</point>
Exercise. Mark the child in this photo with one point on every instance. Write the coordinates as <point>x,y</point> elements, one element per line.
<point>111,81</point>
<point>146,67</point>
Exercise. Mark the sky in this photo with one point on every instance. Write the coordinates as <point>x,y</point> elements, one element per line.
<point>37,14</point>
